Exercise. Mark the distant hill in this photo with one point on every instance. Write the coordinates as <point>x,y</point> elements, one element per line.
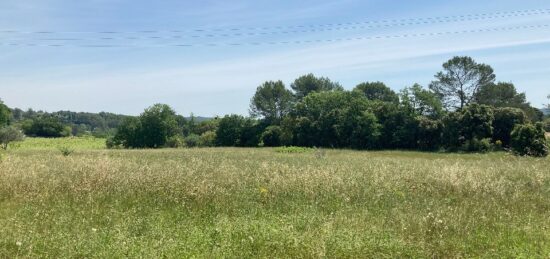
<point>200,119</point>
<point>546,111</point>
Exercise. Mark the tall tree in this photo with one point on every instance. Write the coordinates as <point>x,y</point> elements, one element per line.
<point>5,114</point>
<point>501,95</point>
<point>377,91</point>
<point>307,84</point>
<point>460,80</point>
<point>158,123</point>
<point>271,101</point>
<point>422,101</point>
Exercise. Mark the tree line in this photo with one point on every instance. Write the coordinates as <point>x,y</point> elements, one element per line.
<point>463,109</point>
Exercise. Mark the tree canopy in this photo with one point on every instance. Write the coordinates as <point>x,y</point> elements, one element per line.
<point>377,91</point>
<point>272,101</point>
<point>307,84</point>
<point>460,80</point>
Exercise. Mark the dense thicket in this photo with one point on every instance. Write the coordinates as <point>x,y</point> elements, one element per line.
<point>81,123</point>
<point>463,109</point>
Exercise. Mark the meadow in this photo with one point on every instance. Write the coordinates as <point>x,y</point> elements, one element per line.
<point>242,203</point>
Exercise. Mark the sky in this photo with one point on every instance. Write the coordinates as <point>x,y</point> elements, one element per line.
<point>208,57</point>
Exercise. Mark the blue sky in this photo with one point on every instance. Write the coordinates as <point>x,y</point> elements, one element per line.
<point>142,64</point>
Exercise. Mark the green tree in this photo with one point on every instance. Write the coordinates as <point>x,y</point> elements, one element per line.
<point>271,101</point>
<point>8,135</point>
<point>238,131</point>
<point>505,120</point>
<point>460,80</point>
<point>467,128</point>
<point>335,119</point>
<point>501,95</point>
<point>529,139</point>
<point>307,84</point>
<point>5,114</point>
<point>158,123</point>
<point>271,137</point>
<point>422,101</point>
<point>152,129</point>
<point>128,134</point>
<point>377,91</point>
<point>45,126</point>
<point>428,133</point>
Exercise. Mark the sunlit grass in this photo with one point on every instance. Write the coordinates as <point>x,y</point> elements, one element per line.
<point>239,203</point>
<point>57,143</point>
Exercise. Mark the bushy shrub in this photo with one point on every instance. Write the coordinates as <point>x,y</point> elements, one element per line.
<point>428,133</point>
<point>529,140</point>
<point>504,122</point>
<point>192,140</point>
<point>66,151</point>
<point>546,124</point>
<point>271,137</point>
<point>464,129</point>
<point>477,145</point>
<point>208,139</point>
<point>47,127</point>
<point>9,134</point>
<point>175,142</point>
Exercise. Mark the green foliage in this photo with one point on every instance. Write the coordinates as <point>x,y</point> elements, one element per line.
<point>152,129</point>
<point>477,145</point>
<point>271,137</point>
<point>428,133</point>
<point>505,121</point>
<point>546,124</point>
<point>468,127</point>
<point>192,140</point>
<point>175,141</point>
<point>398,126</point>
<point>238,131</point>
<point>9,134</point>
<point>158,124</point>
<point>460,80</point>
<point>422,102</point>
<point>272,101</point>
<point>66,151</point>
<point>307,84</point>
<point>477,122</point>
<point>501,95</point>
<point>208,139</point>
<point>529,140</point>
<point>335,119</point>
<point>377,91</point>
<point>5,114</point>
<point>45,126</point>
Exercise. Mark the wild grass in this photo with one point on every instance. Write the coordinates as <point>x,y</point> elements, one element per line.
<point>241,203</point>
<point>60,143</point>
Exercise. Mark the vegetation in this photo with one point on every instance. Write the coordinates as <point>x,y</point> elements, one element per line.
<point>54,144</point>
<point>9,135</point>
<point>464,109</point>
<point>47,127</point>
<point>241,203</point>
<point>529,140</point>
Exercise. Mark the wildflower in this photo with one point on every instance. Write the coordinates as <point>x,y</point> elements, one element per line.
<point>263,190</point>
<point>18,243</point>
<point>94,229</point>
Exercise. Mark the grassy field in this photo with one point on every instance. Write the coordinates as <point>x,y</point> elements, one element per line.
<point>57,143</point>
<point>236,203</point>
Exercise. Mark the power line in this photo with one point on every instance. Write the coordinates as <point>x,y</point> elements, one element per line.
<point>395,22</point>
<point>411,35</point>
<point>238,34</point>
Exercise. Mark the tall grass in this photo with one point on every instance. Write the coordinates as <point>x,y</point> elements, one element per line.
<point>261,203</point>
